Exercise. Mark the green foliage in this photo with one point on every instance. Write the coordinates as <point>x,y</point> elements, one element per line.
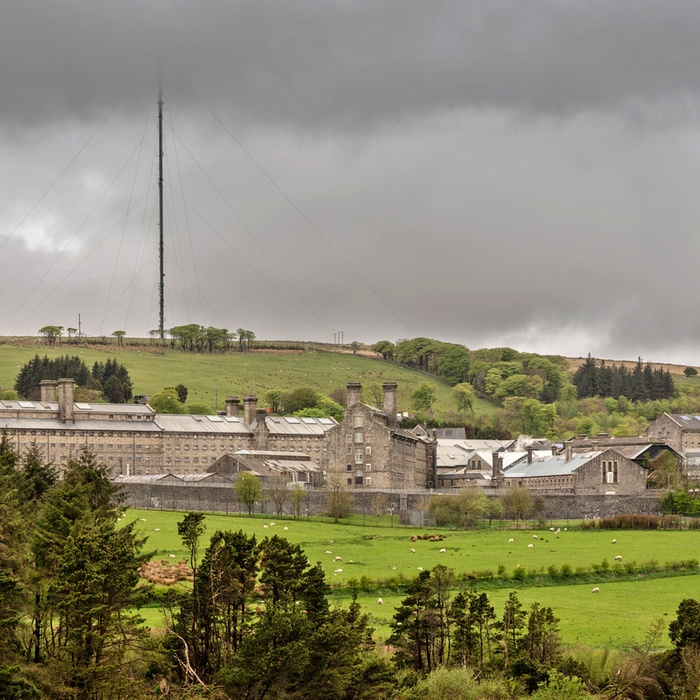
<point>561,687</point>
<point>166,401</point>
<point>182,392</point>
<point>198,409</point>
<point>690,372</point>
<point>423,398</point>
<point>299,399</point>
<point>31,374</point>
<point>463,395</point>
<point>248,490</point>
<point>273,400</point>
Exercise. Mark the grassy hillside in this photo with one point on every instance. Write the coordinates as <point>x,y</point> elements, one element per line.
<point>241,373</point>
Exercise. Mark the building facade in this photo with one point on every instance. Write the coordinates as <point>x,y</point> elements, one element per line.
<point>367,448</point>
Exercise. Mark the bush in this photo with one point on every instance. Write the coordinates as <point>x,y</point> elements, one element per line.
<point>519,573</point>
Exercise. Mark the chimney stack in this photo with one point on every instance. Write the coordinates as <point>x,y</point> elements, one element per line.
<point>390,402</point>
<point>233,405</point>
<point>555,450</point>
<point>65,400</point>
<point>48,390</point>
<point>530,449</point>
<point>496,465</point>
<point>354,389</point>
<point>568,451</point>
<point>250,403</point>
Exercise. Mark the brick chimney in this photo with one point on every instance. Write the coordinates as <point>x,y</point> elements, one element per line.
<point>250,403</point>
<point>568,451</point>
<point>529,449</point>
<point>555,450</point>
<point>354,389</point>
<point>48,390</point>
<point>65,400</point>
<point>390,401</point>
<point>233,405</point>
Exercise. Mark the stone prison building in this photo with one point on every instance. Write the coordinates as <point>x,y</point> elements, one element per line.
<point>366,450</point>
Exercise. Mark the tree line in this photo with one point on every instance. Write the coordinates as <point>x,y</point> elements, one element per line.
<point>110,379</point>
<point>195,338</point>
<point>643,383</point>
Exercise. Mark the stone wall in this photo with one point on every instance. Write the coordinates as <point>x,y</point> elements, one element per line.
<point>222,499</point>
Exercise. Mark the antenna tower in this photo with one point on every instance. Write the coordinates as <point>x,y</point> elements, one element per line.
<point>161,283</point>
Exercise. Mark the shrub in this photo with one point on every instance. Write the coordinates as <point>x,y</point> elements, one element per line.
<point>519,573</point>
<point>566,570</point>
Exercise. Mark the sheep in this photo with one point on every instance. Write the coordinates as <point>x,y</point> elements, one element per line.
<point>143,520</point>
<point>413,550</point>
<point>535,537</point>
<point>338,559</point>
<point>272,524</point>
<point>338,571</point>
<point>618,557</point>
<point>380,601</point>
<point>511,540</point>
<point>157,529</point>
<point>264,527</point>
<point>172,556</point>
<point>420,568</point>
<point>530,546</point>
<point>596,590</point>
<point>328,552</point>
<point>551,529</point>
<point>286,528</point>
<point>443,550</point>
<point>614,542</point>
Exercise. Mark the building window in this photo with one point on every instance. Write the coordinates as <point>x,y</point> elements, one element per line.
<point>368,450</point>
<point>368,481</point>
<point>349,467</point>
<point>368,467</point>
<point>349,481</point>
<point>358,421</point>
<point>610,472</point>
<point>358,436</point>
<point>359,455</point>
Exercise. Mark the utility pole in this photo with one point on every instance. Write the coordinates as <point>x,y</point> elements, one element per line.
<point>161,283</point>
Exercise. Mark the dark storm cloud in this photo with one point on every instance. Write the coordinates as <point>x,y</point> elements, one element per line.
<point>345,63</point>
<point>483,172</point>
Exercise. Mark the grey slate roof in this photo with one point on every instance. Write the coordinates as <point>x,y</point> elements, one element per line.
<point>224,425</point>
<point>47,423</point>
<point>689,422</point>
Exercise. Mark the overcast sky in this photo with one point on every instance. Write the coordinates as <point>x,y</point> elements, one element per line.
<point>489,173</point>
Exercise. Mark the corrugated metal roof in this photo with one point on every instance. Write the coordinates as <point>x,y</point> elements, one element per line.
<point>551,466</point>
<point>290,425</point>
<point>174,423</point>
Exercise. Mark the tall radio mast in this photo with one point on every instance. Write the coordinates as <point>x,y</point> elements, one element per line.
<point>161,283</point>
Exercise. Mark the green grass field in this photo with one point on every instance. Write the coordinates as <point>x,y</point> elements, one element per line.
<point>618,616</point>
<point>242,373</point>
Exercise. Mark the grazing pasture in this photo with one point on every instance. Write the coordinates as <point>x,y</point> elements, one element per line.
<point>378,559</point>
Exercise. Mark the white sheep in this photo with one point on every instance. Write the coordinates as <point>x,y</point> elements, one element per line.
<point>338,559</point>
<point>420,568</point>
<point>551,529</point>
<point>286,528</point>
<point>535,537</point>
<point>172,556</point>
<point>413,550</point>
<point>380,601</point>
<point>143,520</point>
<point>157,529</point>
<point>596,590</point>
<point>511,540</point>
<point>443,550</point>
<point>618,557</point>
<point>530,546</point>
<point>328,552</point>
<point>338,571</point>
<point>264,527</point>
<point>272,524</point>
<point>614,542</point>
